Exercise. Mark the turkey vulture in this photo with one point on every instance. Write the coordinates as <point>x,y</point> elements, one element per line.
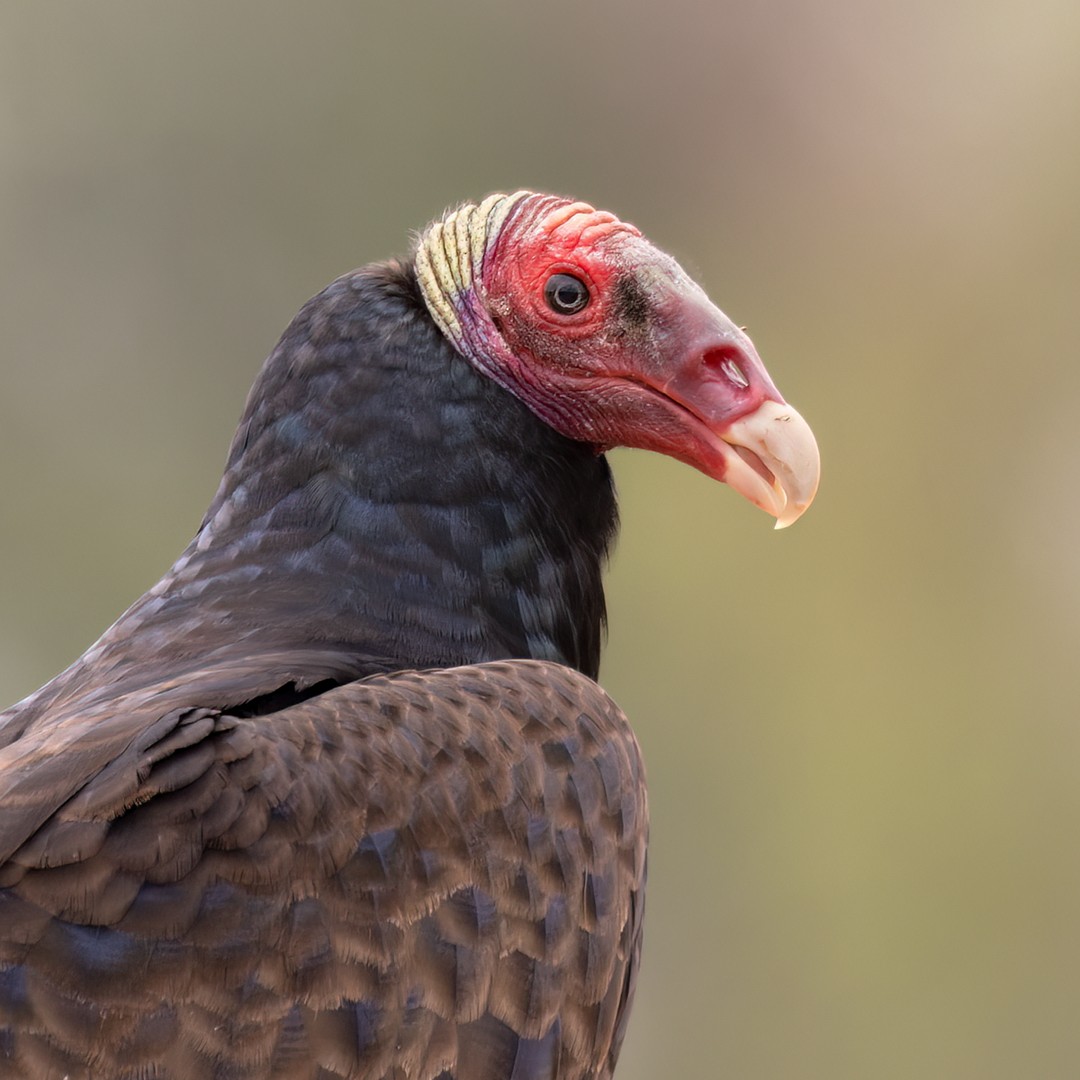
<point>339,797</point>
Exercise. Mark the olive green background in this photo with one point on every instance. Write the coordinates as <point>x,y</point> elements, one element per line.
<point>862,733</point>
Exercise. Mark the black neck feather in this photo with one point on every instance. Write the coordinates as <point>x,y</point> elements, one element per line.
<point>384,498</point>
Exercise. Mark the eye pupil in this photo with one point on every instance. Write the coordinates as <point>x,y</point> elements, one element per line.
<point>566,294</point>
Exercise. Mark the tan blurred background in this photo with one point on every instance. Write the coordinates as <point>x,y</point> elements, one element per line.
<point>862,734</point>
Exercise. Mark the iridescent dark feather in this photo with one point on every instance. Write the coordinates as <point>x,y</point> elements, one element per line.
<point>418,874</point>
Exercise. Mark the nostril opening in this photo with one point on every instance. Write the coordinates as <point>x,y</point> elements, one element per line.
<point>725,361</point>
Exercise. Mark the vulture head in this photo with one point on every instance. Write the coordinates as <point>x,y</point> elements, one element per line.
<point>609,341</point>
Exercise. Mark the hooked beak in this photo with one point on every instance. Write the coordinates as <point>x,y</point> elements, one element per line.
<point>738,428</point>
<point>775,461</point>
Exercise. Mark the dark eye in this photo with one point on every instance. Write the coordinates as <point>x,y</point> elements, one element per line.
<point>566,294</point>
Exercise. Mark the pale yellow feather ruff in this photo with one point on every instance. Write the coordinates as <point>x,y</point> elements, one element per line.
<point>451,252</point>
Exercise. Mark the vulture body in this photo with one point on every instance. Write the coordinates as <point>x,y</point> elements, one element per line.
<point>339,796</point>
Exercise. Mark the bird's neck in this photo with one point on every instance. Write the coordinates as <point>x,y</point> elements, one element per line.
<point>383,497</point>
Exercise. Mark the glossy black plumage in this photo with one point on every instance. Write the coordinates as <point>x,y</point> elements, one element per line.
<point>251,834</point>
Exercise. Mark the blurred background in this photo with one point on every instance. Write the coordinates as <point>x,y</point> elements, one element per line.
<point>862,733</point>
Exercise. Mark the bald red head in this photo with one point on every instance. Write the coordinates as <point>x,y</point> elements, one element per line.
<point>607,339</point>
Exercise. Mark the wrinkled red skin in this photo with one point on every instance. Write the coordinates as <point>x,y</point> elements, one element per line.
<point>647,363</point>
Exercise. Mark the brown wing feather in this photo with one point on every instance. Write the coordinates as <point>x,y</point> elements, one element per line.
<point>420,875</point>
